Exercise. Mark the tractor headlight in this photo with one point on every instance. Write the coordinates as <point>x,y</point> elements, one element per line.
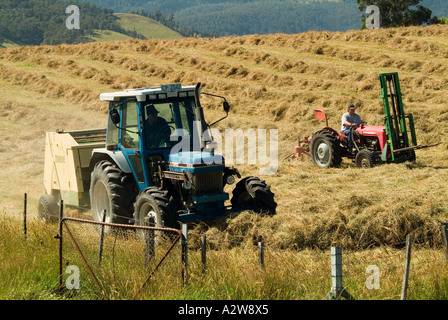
<point>230,179</point>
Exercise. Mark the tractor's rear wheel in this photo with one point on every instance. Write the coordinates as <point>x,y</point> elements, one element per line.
<point>111,191</point>
<point>48,208</point>
<point>325,149</point>
<point>155,207</point>
<point>254,194</point>
<point>364,159</point>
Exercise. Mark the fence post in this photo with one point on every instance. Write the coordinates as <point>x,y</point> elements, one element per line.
<point>59,236</point>
<point>204,253</point>
<point>404,288</point>
<point>261,253</point>
<point>445,239</point>
<point>337,290</point>
<point>100,250</point>
<point>184,243</point>
<point>24,214</point>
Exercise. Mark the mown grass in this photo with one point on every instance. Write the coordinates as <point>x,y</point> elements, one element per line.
<point>272,82</point>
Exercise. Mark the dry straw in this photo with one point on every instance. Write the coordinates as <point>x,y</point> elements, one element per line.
<point>271,81</point>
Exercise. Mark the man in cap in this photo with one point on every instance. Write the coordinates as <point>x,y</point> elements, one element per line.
<point>157,129</point>
<point>350,120</point>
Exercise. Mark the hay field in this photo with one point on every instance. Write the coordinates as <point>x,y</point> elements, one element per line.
<point>272,82</point>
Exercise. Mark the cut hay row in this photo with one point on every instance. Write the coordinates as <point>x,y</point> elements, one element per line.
<point>272,82</point>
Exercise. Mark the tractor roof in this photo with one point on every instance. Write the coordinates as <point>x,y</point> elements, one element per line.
<point>151,93</point>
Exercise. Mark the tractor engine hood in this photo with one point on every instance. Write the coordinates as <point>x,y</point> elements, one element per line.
<point>374,131</point>
<point>195,162</point>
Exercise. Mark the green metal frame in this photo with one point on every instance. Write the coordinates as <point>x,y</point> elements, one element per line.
<point>397,123</point>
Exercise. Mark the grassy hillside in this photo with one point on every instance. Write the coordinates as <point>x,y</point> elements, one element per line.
<point>143,26</point>
<point>146,27</point>
<point>271,82</point>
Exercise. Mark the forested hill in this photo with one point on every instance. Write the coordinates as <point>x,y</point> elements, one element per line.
<point>35,22</point>
<point>240,17</point>
<point>269,17</point>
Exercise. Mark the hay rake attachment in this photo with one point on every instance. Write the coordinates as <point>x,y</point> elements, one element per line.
<point>301,150</point>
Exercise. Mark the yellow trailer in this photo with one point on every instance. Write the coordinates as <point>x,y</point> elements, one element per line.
<point>67,169</point>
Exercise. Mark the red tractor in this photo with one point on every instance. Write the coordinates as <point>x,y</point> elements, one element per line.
<point>372,144</point>
<point>329,146</point>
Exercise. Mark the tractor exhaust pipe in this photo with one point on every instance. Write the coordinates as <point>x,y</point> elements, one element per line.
<point>199,114</point>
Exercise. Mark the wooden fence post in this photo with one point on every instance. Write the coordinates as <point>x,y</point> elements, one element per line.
<point>404,288</point>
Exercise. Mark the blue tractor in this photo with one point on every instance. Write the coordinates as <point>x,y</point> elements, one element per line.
<point>158,168</point>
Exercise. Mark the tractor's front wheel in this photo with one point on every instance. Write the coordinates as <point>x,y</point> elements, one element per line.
<point>325,149</point>
<point>364,159</point>
<point>111,191</point>
<point>254,194</point>
<point>155,207</point>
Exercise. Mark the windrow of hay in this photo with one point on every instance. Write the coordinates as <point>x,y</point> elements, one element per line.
<point>272,82</point>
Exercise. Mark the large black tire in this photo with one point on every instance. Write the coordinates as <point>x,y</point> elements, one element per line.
<point>48,208</point>
<point>254,194</point>
<point>155,207</point>
<point>325,149</point>
<point>364,159</point>
<point>111,190</point>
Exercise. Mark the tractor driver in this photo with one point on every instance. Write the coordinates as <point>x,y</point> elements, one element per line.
<point>350,119</point>
<point>157,129</point>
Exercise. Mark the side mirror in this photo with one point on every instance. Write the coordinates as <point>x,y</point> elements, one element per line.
<point>226,106</point>
<point>114,116</point>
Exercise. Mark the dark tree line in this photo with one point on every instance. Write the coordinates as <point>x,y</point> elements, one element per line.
<point>224,17</point>
<point>263,17</point>
<point>399,13</point>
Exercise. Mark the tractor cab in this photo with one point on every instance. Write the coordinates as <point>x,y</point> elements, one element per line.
<point>155,124</point>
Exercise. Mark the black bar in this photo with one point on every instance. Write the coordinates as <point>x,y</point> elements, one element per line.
<point>24,214</point>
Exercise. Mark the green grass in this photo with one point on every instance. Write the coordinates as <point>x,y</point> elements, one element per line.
<point>107,35</point>
<point>146,27</point>
<point>9,44</point>
<point>30,268</point>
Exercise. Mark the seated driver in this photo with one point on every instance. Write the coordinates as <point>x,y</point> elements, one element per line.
<point>349,120</point>
<point>157,130</point>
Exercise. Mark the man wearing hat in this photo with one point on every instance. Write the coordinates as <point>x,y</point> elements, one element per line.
<point>157,129</point>
<point>350,119</point>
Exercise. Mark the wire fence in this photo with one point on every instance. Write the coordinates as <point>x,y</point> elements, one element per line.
<point>369,274</point>
<point>109,256</point>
